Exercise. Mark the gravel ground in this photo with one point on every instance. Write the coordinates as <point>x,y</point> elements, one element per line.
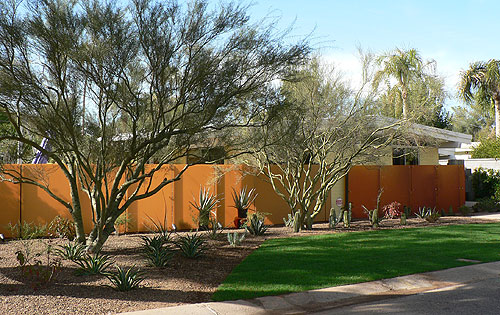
<point>183,281</point>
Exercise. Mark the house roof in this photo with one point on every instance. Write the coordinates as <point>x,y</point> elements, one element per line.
<point>442,138</point>
<point>446,138</point>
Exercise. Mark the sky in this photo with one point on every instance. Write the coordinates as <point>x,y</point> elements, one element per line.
<point>453,33</point>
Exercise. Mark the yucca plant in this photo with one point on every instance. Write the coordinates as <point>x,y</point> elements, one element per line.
<point>125,280</point>
<point>72,251</point>
<point>243,200</point>
<point>93,264</point>
<point>255,225</point>
<point>156,250</point>
<point>205,205</point>
<point>235,238</point>
<point>191,246</point>
<point>215,229</point>
<point>160,228</point>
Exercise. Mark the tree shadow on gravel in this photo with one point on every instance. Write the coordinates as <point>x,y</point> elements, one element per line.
<point>64,275</point>
<point>143,294</point>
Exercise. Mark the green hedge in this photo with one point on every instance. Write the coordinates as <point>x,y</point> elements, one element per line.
<point>486,184</point>
<point>488,148</point>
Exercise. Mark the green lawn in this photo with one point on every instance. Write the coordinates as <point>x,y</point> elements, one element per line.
<point>304,263</point>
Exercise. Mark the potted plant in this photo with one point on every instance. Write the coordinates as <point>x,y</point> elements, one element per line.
<point>242,201</point>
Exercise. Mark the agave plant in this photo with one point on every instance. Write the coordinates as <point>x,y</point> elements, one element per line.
<point>243,200</point>
<point>191,246</point>
<point>156,251</point>
<point>93,265</point>
<point>72,251</point>
<point>125,280</point>
<point>255,225</point>
<point>205,205</point>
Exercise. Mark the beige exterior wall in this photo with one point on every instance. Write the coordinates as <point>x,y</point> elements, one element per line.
<point>338,191</point>
<point>383,158</point>
<point>428,156</point>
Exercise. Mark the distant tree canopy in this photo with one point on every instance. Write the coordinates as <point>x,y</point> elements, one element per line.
<point>480,86</point>
<point>411,89</point>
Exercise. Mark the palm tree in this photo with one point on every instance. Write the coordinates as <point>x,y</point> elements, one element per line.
<point>481,82</point>
<point>403,66</point>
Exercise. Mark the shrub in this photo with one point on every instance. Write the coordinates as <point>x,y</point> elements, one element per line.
<point>39,268</point>
<point>191,246</point>
<point>486,183</point>
<point>93,264</point>
<point>70,251</point>
<point>488,148</point>
<point>123,220</point>
<point>464,210</point>
<point>486,204</point>
<point>27,231</point>
<point>125,280</point>
<point>255,224</point>
<point>392,210</point>
<point>62,227</point>
<point>235,238</point>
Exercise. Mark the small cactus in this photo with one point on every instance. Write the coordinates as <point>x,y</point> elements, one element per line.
<point>235,238</point>
<point>402,219</point>
<point>296,222</point>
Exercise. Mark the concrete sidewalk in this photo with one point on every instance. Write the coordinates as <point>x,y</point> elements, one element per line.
<point>341,296</point>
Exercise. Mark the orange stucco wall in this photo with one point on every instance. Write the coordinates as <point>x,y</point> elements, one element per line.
<point>439,186</point>
<point>31,204</point>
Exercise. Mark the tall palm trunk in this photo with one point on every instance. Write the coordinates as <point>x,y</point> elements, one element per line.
<point>496,100</point>
<point>404,96</point>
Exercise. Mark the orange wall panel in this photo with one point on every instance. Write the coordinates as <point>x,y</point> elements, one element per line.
<point>396,184</point>
<point>37,205</point>
<point>10,204</point>
<point>363,184</point>
<point>450,187</point>
<point>157,208</point>
<point>423,186</point>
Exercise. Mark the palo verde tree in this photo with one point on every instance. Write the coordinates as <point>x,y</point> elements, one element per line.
<point>114,87</point>
<point>481,84</point>
<point>323,131</point>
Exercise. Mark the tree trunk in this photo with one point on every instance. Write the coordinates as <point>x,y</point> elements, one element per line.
<point>497,115</point>
<point>76,213</point>
<point>100,237</point>
<point>78,221</point>
<point>404,95</point>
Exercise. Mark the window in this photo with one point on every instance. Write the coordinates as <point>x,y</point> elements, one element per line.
<point>405,156</point>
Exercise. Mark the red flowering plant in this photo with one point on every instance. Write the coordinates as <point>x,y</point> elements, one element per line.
<point>392,210</point>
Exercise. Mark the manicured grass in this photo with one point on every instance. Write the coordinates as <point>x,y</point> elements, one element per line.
<point>303,263</point>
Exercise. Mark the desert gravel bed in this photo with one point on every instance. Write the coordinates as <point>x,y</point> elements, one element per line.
<point>183,281</point>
